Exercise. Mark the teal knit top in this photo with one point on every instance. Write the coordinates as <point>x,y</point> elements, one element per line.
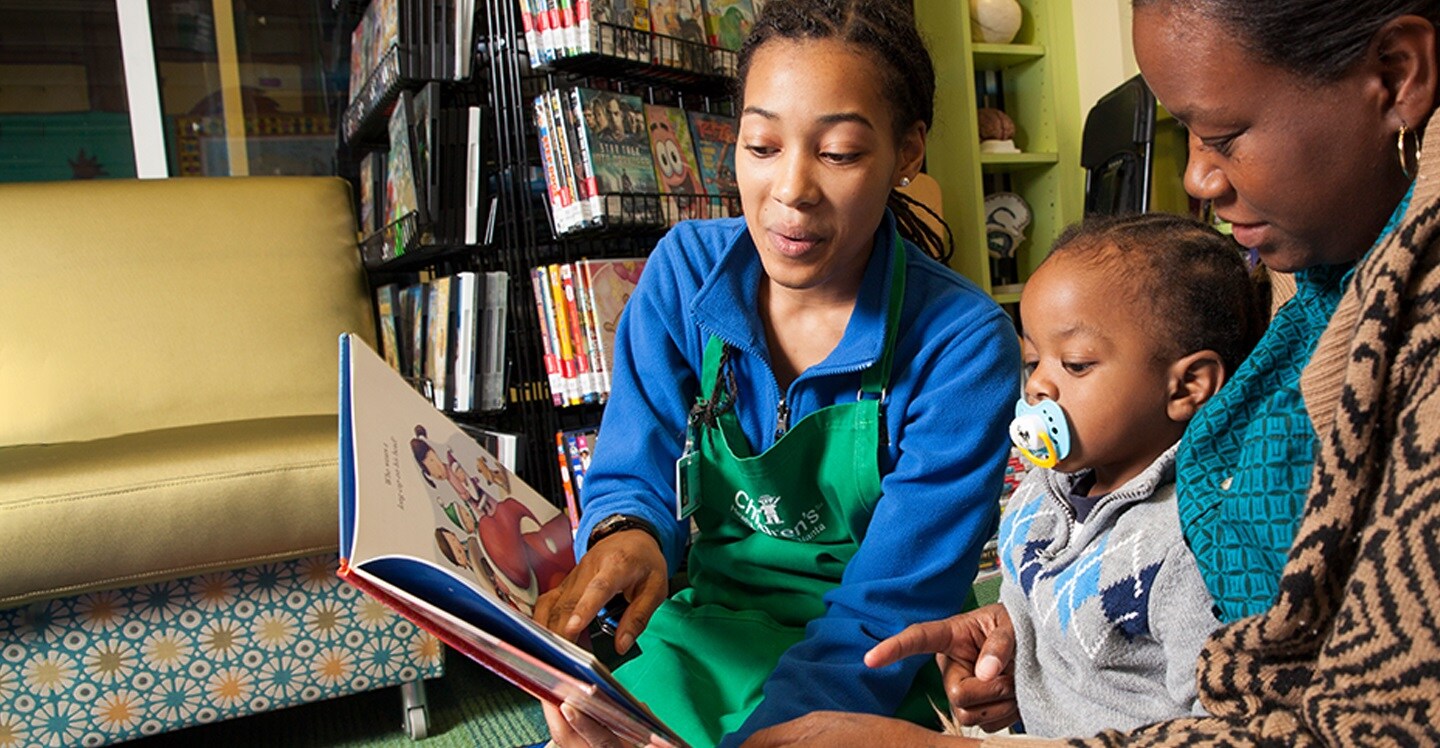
<point>1243,469</point>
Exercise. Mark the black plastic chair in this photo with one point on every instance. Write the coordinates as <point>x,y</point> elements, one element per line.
<point>1115,150</point>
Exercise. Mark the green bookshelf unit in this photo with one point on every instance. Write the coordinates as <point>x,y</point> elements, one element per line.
<point>1033,80</point>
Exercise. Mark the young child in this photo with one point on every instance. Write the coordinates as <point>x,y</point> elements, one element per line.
<point>1130,325</point>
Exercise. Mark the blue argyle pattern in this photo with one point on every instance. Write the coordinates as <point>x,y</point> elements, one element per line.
<point>1077,583</point>
<point>1014,529</point>
<point>1127,603</point>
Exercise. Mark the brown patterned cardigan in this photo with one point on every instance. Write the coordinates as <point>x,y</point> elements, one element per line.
<point>1350,653</point>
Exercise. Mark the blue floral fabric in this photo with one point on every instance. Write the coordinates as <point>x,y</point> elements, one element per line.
<point>105,667</point>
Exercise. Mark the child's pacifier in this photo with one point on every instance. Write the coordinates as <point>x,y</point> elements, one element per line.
<point>1040,432</point>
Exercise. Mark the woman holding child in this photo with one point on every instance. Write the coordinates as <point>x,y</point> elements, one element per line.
<point>825,398</point>
<point>1308,124</point>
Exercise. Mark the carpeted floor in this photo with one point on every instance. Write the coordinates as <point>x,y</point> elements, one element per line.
<point>469,708</point>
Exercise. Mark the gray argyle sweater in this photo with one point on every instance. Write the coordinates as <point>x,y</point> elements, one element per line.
<point>1109,615</point>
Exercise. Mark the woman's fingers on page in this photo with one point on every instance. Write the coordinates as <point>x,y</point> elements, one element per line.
<point>644,598</point>
<point>592,732</point>
<point>592,598</point>
<point>561,733</point>
<point>543,605</point>
<point>561,608</point>
<point>554,608</point>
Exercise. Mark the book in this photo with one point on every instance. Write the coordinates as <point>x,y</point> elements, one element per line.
<point>529,23</point>
<point>573,447</point>
<point>575,322</point>
<point>503,444</point>
<point>371,166</point>
<point>675,168</point>
<point>572,503</point>
<point>590,188</point>
<point>564,341</point>
<point>679,27</point>
<point>562,113</point>
<point>599,378</point>
<point>474,176</point>
<point>387,303</point>
<point>547,18</point>
<point>540,284</point>
<point>437,345</point>
<point>550,159</point>
<point>577,450</point>
<point>642,39</point>
<point>728,22</point>
<point>425,123</point>
<point>611,22</point>
<point>570,29</point>
<point>373,38</point>
<point>436,49</point>
<point>466,300</point>
<point>493,323</point>
<point>609,285</point>
<point>464,38</point>
<point>464,556</point>
<point>401,196</point>
<point>715,137</point>
<point>620,154</point>
<point>415,306</point>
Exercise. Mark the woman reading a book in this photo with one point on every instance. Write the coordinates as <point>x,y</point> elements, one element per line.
<point>822,398</point>
<point>1307,120</point>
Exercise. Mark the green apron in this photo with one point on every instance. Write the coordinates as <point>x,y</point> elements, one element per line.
<point>776,531</point>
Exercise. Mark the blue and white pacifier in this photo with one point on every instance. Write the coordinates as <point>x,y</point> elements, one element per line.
<point>1041,432</point>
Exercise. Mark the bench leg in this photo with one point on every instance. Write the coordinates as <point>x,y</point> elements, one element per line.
<point>416,708</point>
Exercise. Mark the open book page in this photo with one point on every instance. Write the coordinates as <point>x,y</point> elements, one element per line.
<point>435,526</point>
<point>427,490</point>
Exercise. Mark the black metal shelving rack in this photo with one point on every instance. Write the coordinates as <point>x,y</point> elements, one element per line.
<point>505,84</point>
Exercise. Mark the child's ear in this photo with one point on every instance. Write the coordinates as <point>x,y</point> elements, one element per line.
<point>1193,380</point>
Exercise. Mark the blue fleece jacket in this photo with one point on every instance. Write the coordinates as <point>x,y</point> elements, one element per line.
<point>954,381</point>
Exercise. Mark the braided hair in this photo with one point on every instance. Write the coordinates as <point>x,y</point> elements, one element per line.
<point>885,30</point>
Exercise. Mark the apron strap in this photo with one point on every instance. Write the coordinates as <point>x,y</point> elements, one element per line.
<point>720,381</point>
<point>875,378</point>
<point>710,366</point>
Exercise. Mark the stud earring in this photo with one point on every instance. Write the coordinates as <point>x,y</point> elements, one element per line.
<point>904,181</point>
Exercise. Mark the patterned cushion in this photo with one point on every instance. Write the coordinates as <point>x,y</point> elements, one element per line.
<point>105,667</point>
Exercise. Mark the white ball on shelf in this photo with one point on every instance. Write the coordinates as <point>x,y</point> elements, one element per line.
<point>994,21</point>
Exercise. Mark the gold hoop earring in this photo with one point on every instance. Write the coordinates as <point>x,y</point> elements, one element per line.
<point>1404,156</point>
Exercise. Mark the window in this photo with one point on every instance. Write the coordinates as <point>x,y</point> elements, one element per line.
<point>246,87</point>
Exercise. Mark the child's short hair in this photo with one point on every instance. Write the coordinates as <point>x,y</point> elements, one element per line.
<point>1195,280</point>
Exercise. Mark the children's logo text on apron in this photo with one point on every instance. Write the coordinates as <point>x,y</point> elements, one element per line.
<point>763,515</point>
